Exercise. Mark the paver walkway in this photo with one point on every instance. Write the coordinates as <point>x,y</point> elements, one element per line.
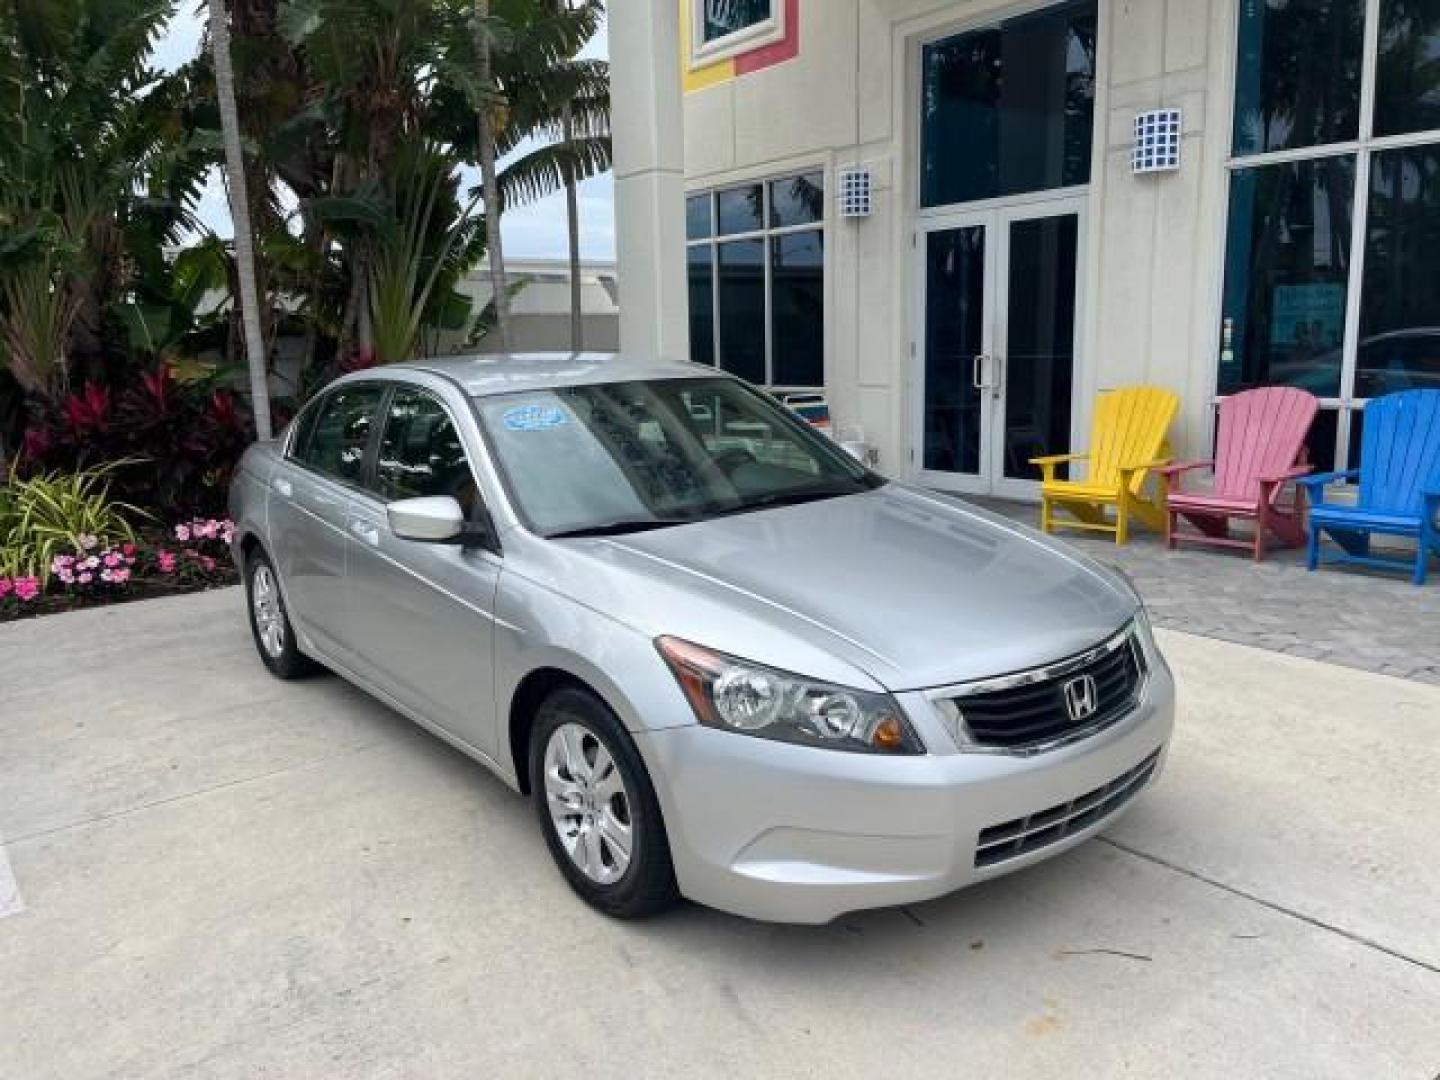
<point>1370,621</point>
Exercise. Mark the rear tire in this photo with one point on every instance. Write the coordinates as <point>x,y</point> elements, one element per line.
<point>270,622</point>
<point>597,807</point>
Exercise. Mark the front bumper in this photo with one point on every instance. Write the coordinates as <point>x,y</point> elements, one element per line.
<point>794,834</point>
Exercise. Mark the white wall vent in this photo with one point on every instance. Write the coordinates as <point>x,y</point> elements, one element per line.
<point>1157,142</point>
<point>855,187</point>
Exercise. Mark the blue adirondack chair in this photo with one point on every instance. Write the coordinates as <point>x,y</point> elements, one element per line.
<point>1399,485</point>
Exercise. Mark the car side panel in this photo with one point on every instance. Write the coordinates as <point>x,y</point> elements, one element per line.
<point>420,618</point>
<point>306,516</point>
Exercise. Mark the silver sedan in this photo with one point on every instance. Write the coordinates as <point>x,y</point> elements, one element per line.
<point>724,659</point>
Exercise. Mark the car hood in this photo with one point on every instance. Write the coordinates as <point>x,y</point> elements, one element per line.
<point>915,589</point>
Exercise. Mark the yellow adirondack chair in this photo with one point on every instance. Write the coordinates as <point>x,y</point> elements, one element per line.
<point>1129,440</point>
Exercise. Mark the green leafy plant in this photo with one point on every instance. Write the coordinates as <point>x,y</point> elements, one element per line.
<point>51,513</point>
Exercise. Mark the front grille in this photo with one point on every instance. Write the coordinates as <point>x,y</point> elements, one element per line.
<point>1011,839</point>
<point>1029,711</point>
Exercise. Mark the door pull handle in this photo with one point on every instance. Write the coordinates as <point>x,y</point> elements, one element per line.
<point>369,533</point>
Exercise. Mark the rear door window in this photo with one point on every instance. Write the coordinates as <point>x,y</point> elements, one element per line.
<point>334,444</point>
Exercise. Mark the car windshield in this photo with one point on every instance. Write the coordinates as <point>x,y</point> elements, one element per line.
<point>629,456</point>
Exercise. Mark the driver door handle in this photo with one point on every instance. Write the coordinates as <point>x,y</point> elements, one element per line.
<point>283,487</point>
<point>363,530</point>
<point>977,371</point>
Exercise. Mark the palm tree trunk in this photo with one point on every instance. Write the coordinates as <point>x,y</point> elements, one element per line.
<point>240,214</point>
<point>572,221</point>
<point>490,183</point>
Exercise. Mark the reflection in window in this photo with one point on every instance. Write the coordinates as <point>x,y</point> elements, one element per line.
<point>1011,109</point>
<point>797,200</point>
<point>1287,268</point>
<point>421,454</point>
<point>797,285</point>
<point>720,19</point>
<point>742,209</point>
<point>742,307</point>
<point>764,294</point>
<point>1407,83</point>
<point>702,303</point>
<point>1298,75</point>
<point>698,222</point>
<point>336,444</point>
<point>1400,302</point>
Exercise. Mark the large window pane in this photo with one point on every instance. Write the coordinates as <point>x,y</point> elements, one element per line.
<point>742,209</point>
<point>1011,109</point>
<point>698,223</point>
<point>742,309</point>
<point>1297,80</point>
<point>421,453</point>
<point>1400,302</point>
<point>1407,86</point>
<point>336,444</point>
<point>700,260</point>
<point>797,296</point>
<point>797,200</point>
<point>1286,272</point>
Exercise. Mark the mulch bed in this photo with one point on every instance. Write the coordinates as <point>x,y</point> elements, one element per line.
<point>57,603</point>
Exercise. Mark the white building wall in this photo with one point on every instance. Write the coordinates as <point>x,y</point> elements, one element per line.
<point>1154,245</point>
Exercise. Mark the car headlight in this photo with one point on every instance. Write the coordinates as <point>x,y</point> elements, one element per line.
<point>752,699</point>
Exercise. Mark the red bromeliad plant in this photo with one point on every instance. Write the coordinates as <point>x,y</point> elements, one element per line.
<point>185,437</point>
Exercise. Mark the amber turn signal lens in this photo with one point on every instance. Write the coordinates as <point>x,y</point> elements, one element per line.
<point>888,734</point>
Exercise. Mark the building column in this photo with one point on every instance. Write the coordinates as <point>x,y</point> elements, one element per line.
<point>648,128</point>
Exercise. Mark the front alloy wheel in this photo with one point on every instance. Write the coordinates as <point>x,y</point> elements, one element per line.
<point>597,806</point>
<point>589,805</point>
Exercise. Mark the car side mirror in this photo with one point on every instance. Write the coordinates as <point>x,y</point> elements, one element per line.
<point>437,519</point>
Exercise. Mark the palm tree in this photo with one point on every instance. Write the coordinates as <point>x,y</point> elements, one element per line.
<point>240,215</point>
<point>489,181</point>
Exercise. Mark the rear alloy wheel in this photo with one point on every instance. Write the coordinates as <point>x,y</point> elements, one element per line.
<point>269,622</point>
<point>597,807</point>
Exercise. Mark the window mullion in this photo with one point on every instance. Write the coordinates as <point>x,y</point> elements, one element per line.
<point>765,246</point>
<point>1369,64</point>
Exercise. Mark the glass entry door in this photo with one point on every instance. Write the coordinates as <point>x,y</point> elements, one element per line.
<point>996,344</point>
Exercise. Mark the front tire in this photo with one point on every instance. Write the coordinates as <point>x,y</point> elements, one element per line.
<point>270,622</point>
<point>597,807</point>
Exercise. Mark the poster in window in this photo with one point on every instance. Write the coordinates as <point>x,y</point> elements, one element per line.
<point>1308,317</point>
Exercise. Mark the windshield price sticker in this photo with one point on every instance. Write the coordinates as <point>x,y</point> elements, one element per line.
<point>534,418</point>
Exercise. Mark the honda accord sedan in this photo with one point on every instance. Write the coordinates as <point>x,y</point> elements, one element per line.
<point>724,659</point>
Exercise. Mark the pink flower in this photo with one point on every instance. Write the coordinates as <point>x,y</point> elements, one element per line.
<point>91,563</point>
<point>111,559</point>
<point>166,562</point>
<point>27,588</point>
<point>128,550</point>
<point>61,563</point>
<point>87,541</point>
<point>119,577</point>
<point>66,576</point>
<point>86,578</point>
<point>6,587</point>
<point>182,533</point>
<point>207,563</point>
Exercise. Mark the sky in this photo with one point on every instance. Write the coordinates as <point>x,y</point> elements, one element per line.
<point>536,231</point>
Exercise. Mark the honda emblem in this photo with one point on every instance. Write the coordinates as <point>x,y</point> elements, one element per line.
<point>1082,699</point>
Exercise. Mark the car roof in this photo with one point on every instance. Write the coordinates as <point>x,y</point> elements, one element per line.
<point>502,373</point>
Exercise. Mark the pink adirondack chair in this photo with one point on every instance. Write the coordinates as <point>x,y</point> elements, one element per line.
<point>1261,447</point>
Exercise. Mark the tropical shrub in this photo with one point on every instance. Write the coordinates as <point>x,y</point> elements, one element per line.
<point>53,514</point>
<point>180,440</point>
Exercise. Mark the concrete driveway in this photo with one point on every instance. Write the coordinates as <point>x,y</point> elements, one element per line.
<point>220,875</point>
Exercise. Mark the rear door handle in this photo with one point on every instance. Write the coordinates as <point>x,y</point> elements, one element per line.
<point>367,532</point>
<point>283,486</point>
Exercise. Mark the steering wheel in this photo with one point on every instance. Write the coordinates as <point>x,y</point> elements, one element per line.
<point>731,460</point>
